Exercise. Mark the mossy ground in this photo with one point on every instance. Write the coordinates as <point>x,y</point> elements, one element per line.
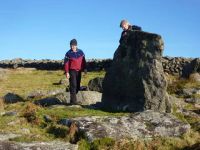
<point>157,143</point>
<point>24,81</point>
<point>176,84</point>
<point>30,118</point>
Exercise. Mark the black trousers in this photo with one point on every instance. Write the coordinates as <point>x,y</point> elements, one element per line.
<point>74,84</point>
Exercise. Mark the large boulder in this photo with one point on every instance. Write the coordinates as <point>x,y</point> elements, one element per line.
<point>188,92</point>
<point>40,93</point>
<point>53,145</point>
<point>192,67</point>
<point>135,81</point>
<point>95,84</point>
<point>49,101</point>
<point>83,98</point>
<point>147,124</point>
<point>89,97</point>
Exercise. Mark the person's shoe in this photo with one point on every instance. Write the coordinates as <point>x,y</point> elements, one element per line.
<point>83,88</point>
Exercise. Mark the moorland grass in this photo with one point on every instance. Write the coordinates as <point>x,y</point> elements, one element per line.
<point>23,82</point>
<point>31,117</point>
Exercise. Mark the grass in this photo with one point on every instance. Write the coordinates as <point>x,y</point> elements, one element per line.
<point>192,120</point>
<point>1,104</point>
<point>158,143</point>
<point>18,125</point>
<point>70,112</point>
<point>31,117</point>
<point>177,84</point>
<point>99,144</point>
<point>91,75</point>
<point>58,131</point>
<point>25,81</point>
<point>179,115</point>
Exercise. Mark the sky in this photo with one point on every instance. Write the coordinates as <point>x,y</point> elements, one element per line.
<point>42,29</point>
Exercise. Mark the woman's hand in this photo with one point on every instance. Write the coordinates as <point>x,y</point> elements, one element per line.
<point>67,75</point>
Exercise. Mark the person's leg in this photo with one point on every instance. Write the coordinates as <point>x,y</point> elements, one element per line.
<point>78,81</point>
<point>73,86</point>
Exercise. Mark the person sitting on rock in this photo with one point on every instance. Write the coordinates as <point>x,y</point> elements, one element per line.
<point>74,63</point>
<point>127,28</point>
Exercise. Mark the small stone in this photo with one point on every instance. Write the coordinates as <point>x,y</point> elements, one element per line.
<point>194,77</point>
<point>65,122</point>
<point>12,98</point>
<point>47,118</point>
<point>10,113</point>
<point>96,84</point>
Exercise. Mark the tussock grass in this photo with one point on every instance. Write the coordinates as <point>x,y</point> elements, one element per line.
<point>30,113</point>
<point>104,143</point>
<point>192,120</point>
<point>157,143</point>
<point>18,125</point>
<point>58,131</point>
<point>175,84</point>
<point>179,115</point>
<point>4,120</point>
<point>1,104</point>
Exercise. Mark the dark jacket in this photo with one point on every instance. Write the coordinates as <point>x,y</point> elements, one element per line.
<point>125,34</point>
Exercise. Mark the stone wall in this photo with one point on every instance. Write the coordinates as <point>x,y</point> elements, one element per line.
<point>180,66</point>
<point>171,65</point>
<point>44,64</point>
<point>47,64</point>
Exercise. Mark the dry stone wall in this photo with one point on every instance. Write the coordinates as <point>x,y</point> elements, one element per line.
<point>171,65</point>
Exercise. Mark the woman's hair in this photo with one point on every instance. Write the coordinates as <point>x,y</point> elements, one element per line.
<point>124,22</point>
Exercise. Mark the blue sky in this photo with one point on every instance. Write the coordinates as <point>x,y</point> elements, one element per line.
<point>42,29</point>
